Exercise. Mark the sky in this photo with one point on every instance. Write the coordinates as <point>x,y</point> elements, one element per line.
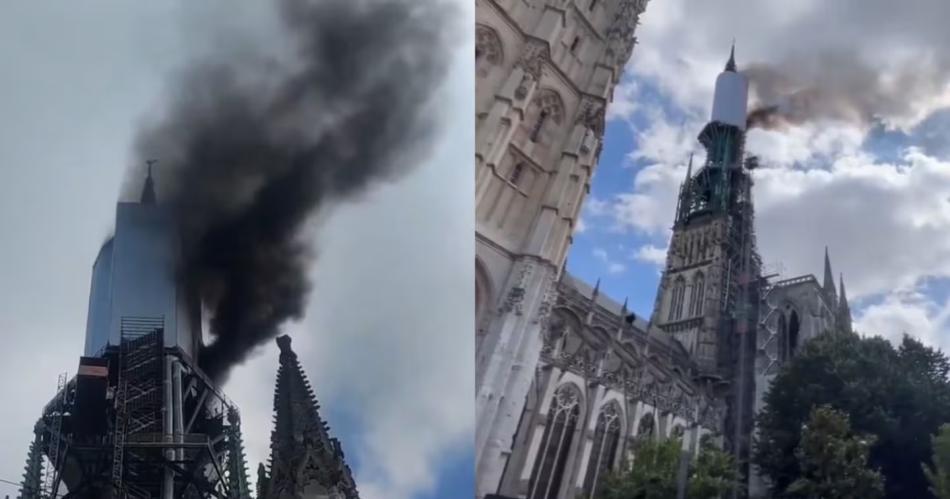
<point>866,172</point>
<point>386,339</point>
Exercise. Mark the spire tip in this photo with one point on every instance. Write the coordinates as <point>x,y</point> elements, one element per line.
<point>731,64</point>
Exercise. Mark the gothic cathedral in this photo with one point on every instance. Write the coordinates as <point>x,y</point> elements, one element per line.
<point>568,380</point>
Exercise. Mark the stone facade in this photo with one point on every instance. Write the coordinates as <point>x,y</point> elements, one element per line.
<point>545,72</point>
<point>603,385</point>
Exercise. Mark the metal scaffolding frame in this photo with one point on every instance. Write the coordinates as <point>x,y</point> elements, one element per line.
<point>171,432</point>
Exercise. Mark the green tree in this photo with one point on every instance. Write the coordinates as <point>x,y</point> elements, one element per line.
<point>900,396</point>
<point>938,473</point>
<point>654,473</point>
<point>833,461</point>
<point>712,475</point>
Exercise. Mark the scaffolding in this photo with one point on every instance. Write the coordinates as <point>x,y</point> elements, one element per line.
<point>170,432</point>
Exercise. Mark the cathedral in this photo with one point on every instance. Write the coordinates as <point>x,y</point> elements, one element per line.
<point>569,381</point>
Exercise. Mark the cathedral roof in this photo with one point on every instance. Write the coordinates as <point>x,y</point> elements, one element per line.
<point>304,458</point>
<point>608,303</point>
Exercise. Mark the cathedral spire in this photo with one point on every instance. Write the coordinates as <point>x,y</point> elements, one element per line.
<point>304,458</point>
<point>828,285</point>
<point>731,63</point>
<point>844,310</point>
<point>148,190</point>
<point>32,485</point>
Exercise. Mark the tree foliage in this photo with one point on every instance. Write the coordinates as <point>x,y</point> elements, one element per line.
<point>938,473</point>
<point>713,474</point>
<point>655,470</point>
<point>833,461</point>
<point>898,395</point>
<point>653,475</point>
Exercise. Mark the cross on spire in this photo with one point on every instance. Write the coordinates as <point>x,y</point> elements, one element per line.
<point>148,190</point>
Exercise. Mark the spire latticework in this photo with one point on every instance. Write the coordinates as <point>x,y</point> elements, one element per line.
<point>305,461</point>
<point>32,485</point>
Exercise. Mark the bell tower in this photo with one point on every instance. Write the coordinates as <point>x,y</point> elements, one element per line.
<point>707,294</point>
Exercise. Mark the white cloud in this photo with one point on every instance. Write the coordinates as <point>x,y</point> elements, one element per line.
<point>649,253</point>
<point>625,101</point>
<point>910,312</point>
<point>613,266</point>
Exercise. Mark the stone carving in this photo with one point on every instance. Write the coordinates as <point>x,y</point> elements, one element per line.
<point>620,34</point>
<point>591,115</point>
<point>532,61</point>
<point>548,301</point>
<point>515,298</point>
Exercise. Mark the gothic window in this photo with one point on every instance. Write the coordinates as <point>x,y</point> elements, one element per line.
<point>677,432</point>
<point>793,327</point>
<point>538,125</point>
<point>676,298</point>
<point>788,330</point>
<point>697,295</point>
<point>556,444</point>
<point>782,338</point>
<point>606,440</point>
<point>515,176</point>
<point>646,427</point>
<point>544,115</point>
<point>488,51</point>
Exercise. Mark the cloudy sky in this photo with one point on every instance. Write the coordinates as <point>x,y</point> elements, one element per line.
<point>866,171</point>
<point>386,340</point>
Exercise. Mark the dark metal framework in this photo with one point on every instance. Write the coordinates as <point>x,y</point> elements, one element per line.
<point>171,432</point>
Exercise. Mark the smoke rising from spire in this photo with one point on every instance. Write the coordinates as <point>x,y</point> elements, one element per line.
<point>252,148</point>
<point>836,85</point>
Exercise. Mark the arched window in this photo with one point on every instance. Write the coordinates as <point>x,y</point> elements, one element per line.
<point>538,125</point>
<point>678,432</point>
<point>488,50</point>
<point>788,335</point>
<point>556,444</point>
<point>515,176</point>
<point>793,327</point>
<point>546,108</point>
<point>677,295</point>
<point>646,427</point>
<point>782,338</point>
<point>697,295</point>
<point>606,440</point>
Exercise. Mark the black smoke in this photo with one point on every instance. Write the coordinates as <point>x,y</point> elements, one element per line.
<point>252,148</point>
<point>836,84</point>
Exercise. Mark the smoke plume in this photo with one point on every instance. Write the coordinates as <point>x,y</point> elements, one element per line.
<point>839,86</point>
<point>251,148</point>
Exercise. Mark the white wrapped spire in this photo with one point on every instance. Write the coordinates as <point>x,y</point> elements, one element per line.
<point>730,101</point>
